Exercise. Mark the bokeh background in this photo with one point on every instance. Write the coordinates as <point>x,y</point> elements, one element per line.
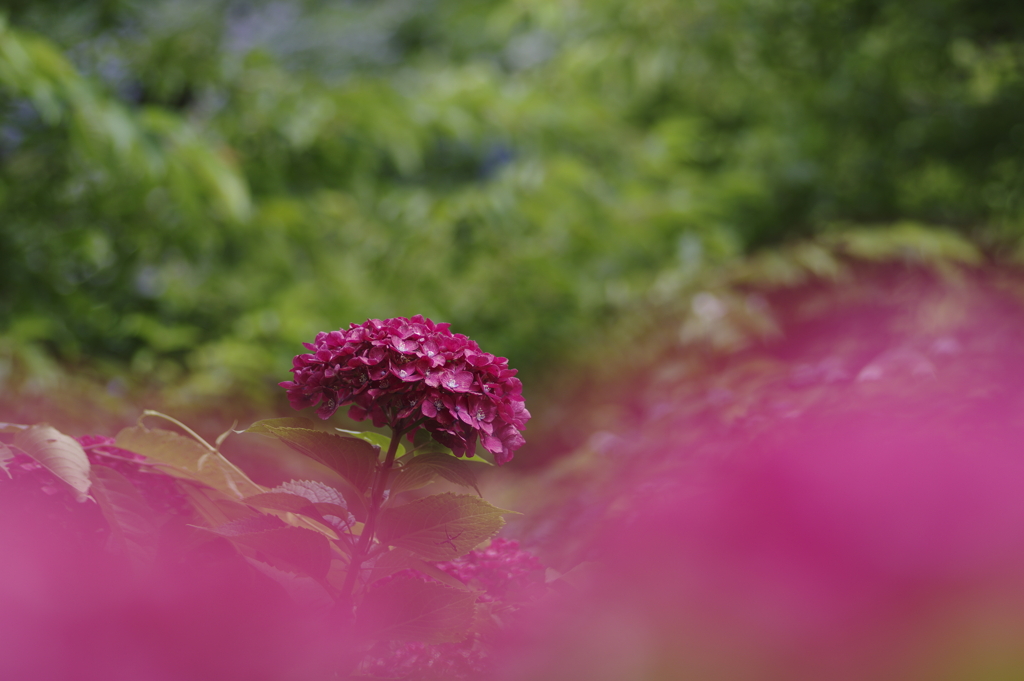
<point>695,227</point>
<point>189,189</point>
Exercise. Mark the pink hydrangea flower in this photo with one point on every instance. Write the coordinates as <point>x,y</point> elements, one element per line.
<point>413,373</point>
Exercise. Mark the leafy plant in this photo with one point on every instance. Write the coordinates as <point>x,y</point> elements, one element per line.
<point>379,566</point>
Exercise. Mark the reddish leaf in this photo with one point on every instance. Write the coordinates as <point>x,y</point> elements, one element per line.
<point>132,532</point>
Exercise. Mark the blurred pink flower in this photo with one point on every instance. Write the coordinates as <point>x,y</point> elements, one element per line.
<point>855,548</point>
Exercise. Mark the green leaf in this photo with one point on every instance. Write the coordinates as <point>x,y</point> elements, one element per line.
<point>352,458</point>
<point>408,609</point>
<point>202,505</point>
<point>476,458</point>
<point>185,458</point>
<point>390,562</point>
<point>132,531</point>
<point>306,592</point>
<point>61,454</point>
<point>440,527</point>
<point>397,559</point>
<point>425,444</point>
<point>426,466</point>
<point>294,549</point>
<point>408,478</point>
<point>377,439</point>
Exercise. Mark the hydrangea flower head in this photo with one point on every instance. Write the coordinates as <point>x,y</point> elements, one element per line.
<point>413,373</point>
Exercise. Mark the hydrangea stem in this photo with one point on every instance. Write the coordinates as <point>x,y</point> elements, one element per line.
<point>380,483</point>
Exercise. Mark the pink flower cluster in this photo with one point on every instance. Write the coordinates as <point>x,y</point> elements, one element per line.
<point>412,373</point>
<point>501,570</point>
<point>495,568</point>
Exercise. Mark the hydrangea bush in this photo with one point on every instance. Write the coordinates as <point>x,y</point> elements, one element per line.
<point>402,583</point>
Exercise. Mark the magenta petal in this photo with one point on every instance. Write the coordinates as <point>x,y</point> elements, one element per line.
<point>404,345</point>
<point>328,408</point>
<point>457,381</point>
<point>479,359</point>
<point>491,444</point>
<point>377,372</point>
<point>428,409</point>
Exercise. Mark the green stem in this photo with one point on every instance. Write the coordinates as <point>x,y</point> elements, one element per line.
<point>380,483</point>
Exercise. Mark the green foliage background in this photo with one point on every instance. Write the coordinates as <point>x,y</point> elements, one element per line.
<point>190,188</point>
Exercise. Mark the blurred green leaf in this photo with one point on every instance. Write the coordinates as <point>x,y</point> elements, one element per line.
<point>376,439</point>
<point>408,609</point>
<point>185,458</point>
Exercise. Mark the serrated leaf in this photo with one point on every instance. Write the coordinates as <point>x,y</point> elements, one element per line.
<point>440,527</point>
<point>294,549</point>
<point>397,559</point>
<point>280,501</point>
<point>314,491</point>
<point>435,463</point>
<point>186,458</point>
<point>408,609</point>
<point>390,562</point>
<point>352,458</point>
<point>60,454</point>
<point>327,501</point>
<point>132,532</point>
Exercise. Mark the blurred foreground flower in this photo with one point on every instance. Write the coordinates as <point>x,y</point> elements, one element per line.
<point>412,373</point>
<point>871,547</point>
